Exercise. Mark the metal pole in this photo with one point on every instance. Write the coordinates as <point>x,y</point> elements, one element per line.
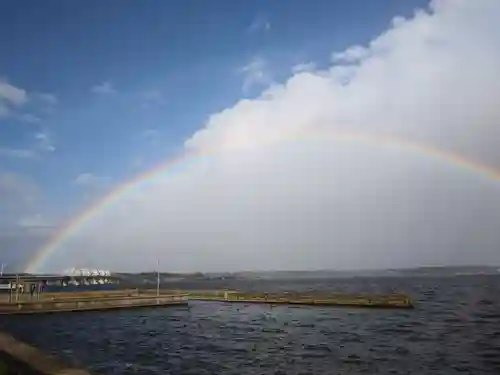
<point>17,287</point>
<point>1,271</point>
<point>158,279</point>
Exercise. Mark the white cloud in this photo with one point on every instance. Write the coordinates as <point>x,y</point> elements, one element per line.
<point>91,180</point>
<point>304,67</point>
<point>327,202</point>
<point>430,61</point>
<point>103,88</point>
<point>350,55</point>
<point>256,73</point>
<point>10,96</point>
<point>44,142</point>
<point>260,23</point>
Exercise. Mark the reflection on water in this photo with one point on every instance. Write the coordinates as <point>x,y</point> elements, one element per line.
<point>454,329</point>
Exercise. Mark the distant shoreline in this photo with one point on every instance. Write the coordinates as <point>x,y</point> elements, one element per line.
<point>280,274</point>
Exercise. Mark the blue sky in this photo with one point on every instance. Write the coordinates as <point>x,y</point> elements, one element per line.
<point>169,65</point>
<point>109,89</point>
<point>185,54</point>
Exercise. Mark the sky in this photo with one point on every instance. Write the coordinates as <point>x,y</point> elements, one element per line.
<point>291,123</point>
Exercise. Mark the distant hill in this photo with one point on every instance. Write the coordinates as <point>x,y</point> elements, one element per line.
<point>151,277</point>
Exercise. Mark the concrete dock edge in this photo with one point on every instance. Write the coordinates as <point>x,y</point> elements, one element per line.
<point>17,357</point>
<point>90,304</point>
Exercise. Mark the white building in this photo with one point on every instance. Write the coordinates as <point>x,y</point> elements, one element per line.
<point>85,272</point>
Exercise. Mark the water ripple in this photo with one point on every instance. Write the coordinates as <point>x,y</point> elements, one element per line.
<point>454,330</point>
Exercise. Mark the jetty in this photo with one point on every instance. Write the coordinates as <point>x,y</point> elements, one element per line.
<point>18,301</point>
<point>30,295</point>
<point>74,304</point>
<point>389,301</point>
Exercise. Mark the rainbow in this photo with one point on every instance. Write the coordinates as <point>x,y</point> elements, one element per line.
<point>57,241</point>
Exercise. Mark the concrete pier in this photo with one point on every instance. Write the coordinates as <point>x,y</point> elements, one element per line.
<point>17,357</point>
<point>390,301</point>
<point>74,303</point>
<point>105,300</point>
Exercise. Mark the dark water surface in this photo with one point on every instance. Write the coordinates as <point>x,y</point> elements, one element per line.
<point>455,329</point>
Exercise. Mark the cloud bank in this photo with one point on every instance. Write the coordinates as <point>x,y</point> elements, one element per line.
<point>261,203</point>
<point>10,97</point>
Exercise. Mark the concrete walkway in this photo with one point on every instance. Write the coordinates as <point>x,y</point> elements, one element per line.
<point>20,357</point>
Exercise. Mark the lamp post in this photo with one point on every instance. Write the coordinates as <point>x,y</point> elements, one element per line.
<point>17,287</point>
<point>158,278</point>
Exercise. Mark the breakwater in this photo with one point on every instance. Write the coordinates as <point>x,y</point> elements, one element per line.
<point>396,301</point>
<point>74,303</point>
<point>105,300</point>
<point>400,301</point>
